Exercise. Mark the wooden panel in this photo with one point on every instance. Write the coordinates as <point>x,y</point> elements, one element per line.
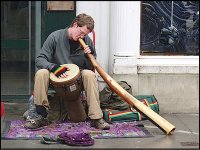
<point>60,5</point>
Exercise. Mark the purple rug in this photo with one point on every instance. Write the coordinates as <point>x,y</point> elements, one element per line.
<point>15,130</point>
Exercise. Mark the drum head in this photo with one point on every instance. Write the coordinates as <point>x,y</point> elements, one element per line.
<point>73,73</point>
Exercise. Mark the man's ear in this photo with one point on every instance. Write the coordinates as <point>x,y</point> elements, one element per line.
<point>75,25</point>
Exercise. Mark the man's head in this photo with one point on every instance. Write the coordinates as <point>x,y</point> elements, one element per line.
<point>81,25</point>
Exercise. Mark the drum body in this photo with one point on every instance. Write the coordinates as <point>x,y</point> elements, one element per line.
<point>69,87</point>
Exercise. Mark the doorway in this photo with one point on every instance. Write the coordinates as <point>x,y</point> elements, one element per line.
<point>21,23</point>
<point>17,48</point>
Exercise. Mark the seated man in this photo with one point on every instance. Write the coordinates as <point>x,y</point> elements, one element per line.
<point>62,47</point>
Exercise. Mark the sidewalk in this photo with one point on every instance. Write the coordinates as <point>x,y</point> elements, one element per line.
<point>186,135</point>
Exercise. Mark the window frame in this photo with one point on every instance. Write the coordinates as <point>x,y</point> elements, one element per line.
<point>146,52</point>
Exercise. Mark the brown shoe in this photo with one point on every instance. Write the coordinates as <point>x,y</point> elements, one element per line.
<point>36,123</point>
<point>100,124</point>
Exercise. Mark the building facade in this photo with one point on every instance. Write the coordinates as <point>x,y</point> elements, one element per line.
<point>151,45</point>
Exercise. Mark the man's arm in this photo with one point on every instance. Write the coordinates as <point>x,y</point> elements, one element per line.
<point>45,58</point>
<point>89,42</point>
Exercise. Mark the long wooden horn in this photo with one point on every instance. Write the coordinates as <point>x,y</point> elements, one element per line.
<point>155,118</point>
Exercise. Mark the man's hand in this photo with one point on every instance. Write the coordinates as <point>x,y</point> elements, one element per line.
<point>88,50</point>
<point>60,71</point>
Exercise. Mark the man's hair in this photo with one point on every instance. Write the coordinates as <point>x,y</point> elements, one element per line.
<point>82,20</point>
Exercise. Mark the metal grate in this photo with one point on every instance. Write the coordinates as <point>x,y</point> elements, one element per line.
<point>189,143</point>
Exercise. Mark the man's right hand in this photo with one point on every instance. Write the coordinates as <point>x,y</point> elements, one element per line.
<point>60,71</point>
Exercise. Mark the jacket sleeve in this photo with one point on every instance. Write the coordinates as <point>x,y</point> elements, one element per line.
<point>89,42</point>
<point>45,57</point>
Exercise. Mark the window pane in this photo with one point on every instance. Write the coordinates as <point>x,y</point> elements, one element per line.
<point>170,28</point>
<point>15,47</point>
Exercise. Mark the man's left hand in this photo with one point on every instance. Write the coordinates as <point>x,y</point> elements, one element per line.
<point>88,50</point>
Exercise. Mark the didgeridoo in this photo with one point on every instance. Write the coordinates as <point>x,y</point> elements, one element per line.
<point>155,118</point>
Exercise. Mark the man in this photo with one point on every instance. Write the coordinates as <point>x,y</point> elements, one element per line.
<point>62,47</point>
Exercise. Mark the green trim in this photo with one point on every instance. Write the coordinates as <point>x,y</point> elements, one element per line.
<point>15,44</point>
<point>15,98</point>
<point>55,20</point>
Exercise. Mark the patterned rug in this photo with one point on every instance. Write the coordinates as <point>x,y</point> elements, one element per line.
<point>15,130</point>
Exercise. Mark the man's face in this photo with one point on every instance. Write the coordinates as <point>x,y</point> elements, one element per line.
<point>79,32</point>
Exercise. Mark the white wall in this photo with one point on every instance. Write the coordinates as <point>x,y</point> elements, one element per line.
<point>174,80</point>
<point>99,10</point>
<point>124,37</point>
<point>117,26</point>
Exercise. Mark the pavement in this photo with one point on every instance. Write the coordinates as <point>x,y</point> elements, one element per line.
<point>185,136</point>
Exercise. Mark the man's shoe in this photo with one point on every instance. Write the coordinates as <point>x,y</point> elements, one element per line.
<point>25,115</point>
<point>36,123</point>
<point>100,124</point>
<point>29,115</point>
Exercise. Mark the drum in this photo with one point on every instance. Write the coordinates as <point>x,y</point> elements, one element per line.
<point>69,87</point>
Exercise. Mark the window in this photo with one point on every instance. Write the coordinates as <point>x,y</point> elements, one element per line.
<point>170,28</point>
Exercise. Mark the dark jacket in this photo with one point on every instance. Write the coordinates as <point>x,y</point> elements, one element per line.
<point>56,50</point>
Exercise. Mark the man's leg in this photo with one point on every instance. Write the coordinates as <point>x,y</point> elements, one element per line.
<point>41,88</point>
<point>92,92</point>
<point>40,99</point>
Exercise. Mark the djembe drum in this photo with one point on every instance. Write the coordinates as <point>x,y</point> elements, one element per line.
<point>70,89</point>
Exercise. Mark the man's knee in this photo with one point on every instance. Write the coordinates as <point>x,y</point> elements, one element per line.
<point>42,73</point>
<point>88,74</point>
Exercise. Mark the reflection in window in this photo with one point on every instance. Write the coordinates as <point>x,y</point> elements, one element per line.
<point>170,28</point>
<point>15,23</point>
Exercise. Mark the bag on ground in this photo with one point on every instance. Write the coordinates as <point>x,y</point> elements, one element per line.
<point>131,114</point>
<point>110,100</point>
